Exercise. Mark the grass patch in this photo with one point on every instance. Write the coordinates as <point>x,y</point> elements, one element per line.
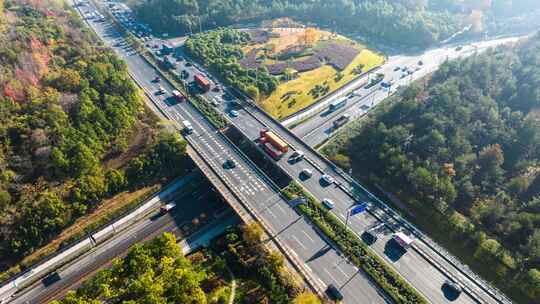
<point>294,95</point>
<point>389,280</point>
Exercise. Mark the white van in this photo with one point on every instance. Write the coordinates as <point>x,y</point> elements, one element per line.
<point>328,203</point>
<point>188,128</point>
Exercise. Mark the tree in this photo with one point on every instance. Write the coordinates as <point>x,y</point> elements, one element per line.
<point>341,160</point>
<point>306,297</point>
<point>531,283</point>
<point>253,92</point>
<point>115,181</point>
<point>252,233</point>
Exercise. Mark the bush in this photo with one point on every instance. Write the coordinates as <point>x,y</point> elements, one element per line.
<point>354,248</point>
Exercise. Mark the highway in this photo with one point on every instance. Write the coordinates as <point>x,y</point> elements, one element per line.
<point>317,255</point>
<point>416,266</point>
<point>318,125</point>
<point>189,205</point>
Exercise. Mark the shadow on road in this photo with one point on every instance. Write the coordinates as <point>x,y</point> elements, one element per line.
<point>319,253</point>
<point>393,251</point>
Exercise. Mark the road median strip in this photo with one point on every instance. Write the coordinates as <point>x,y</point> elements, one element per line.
<point>354,249</point>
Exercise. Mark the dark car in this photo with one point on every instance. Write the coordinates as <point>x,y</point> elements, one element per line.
<point>51,279</point>
<point>229,164</point>
<point>453,286</point>
<point>334,293</point>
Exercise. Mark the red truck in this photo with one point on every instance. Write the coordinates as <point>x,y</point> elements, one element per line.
<point>202,82</point>
<point>273,144</point>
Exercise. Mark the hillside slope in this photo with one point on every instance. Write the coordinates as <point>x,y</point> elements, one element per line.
<point>73,129</point>
<point>463,150</point>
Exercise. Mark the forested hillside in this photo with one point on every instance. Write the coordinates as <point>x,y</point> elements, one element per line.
<point>69,126</point>
<point>394,21</point>
<point>463,150</point>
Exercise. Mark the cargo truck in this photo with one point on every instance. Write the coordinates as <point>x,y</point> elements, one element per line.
<point>273,144</point>
<point>166,208</point>
<point>202,82</point>
<point>275,153</point>
<point>403,240</point>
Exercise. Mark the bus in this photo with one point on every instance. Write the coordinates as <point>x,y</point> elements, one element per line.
<point>337,104</point>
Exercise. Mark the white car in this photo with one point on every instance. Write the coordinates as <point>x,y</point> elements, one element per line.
<point>328,203</point>
<point>306,173</point>
<point>327,179</point>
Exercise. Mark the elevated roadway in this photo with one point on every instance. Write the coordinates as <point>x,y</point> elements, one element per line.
<point>424,267</point>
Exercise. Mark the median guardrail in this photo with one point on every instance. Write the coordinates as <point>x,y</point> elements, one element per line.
<point>464,270</point>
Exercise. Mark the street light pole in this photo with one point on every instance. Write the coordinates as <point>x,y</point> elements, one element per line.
<point>347,219</point>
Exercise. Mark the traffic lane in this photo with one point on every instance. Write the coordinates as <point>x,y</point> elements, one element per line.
<point>322,123</point>
<point>342,201</point>
<point>216,150</point>
<point>182,111</point>
<point>279,221</point>
<point>412,267</point>
<point>73,275</point>
<point>419,272</point>
<point>312,249</point>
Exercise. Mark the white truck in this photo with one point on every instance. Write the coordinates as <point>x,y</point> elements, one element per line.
<point>188,128</point>
<point>166,208</point>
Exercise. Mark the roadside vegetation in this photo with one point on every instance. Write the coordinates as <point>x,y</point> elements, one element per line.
<point>398,22</point>
<point>284,69</point>
<point>353,247</point>
<point>462,150</point>
<point>73,130</point>
<point>236,268</point>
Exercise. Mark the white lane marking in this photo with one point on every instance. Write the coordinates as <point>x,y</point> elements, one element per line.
<point>271,213</point>
<point>331,276</point>
<point>307,235</point>
<point>298,241</point>
<point>341,270</point>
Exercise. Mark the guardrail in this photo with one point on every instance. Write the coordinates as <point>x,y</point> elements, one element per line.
<point>68,254</point>
<point>492,291</point>
<point>290,255</point>
<point>293,118</point>
<point>495,293</point>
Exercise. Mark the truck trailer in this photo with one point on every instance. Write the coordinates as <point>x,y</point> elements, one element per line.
<point>202,82</point>
<point>272,138</point>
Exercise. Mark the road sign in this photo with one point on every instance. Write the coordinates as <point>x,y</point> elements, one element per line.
<point>358,208</point>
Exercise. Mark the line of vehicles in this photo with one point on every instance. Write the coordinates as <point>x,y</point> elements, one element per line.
<point>276,147</point>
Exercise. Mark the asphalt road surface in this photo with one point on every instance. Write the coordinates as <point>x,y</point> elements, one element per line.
<point>320,257</point>
<point>327,265</point>
<point>320,126</point>
<point>189,206</point>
